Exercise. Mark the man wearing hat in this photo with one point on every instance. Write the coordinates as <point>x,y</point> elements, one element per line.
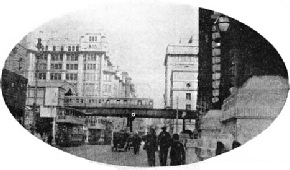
<point>164,142</point>
<point>177,152</point>
<point>151,146</point>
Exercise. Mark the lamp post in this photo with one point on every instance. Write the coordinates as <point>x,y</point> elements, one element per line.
<point>176,115</point>
<point>222,25</point>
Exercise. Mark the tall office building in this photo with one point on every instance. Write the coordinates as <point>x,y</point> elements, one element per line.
<point>181,70</point>
<point>81,62</point>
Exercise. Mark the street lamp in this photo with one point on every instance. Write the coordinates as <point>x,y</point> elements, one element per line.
<point>222,23</point>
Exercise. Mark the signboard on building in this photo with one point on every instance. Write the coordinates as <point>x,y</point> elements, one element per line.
<point>51,97</point>
<point>47,111</point>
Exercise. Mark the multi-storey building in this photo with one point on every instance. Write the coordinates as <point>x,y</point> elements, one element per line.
<point>13,82</point>
<point>181,70</point>
<point>181,76</point>
<point>82,64</point>
<point>76,63</point>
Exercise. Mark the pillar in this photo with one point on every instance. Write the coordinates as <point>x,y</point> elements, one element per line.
<point>53,129</point>
<point>87,136</point>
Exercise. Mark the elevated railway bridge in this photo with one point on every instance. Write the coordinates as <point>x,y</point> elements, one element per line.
<point>125,107</point>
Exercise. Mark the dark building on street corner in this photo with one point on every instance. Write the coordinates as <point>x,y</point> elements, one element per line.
<point>14,83</point>
<point>229,57</point>
<point>14,92</point>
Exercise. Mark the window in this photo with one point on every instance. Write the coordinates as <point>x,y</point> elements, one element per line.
<point>46,48</point>
<point>188,96</point>
<point>188,107</point>
<point>61,57</point>
<point>56,66</point>
<point>72,66</point>
<point>69,48</point>
<point>107,88</point>
<point>77,48</point>
<point>54,48</point>
<point>90,38</point>
<point>42,57</point>
<point>61,48</point>
<point>55,57</point>
<point>71,76</point>
<point>93,39</point>
<point>40,76</point>
<point>72,57</point>
<point>91,57</point>
<point>107,77</point>
<point>55,76</point>
<point>73,48</point>
<point>42,66</point>
<point>89,76</point>
<point>89,66</point>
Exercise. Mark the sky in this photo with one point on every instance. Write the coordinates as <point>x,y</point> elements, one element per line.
<point>137,36</point>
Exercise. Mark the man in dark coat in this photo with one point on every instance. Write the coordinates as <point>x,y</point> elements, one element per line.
<point>177,153</point>
<point>49,139</point>
<point>151,147</point>
<point>164,141</point>
<point>136,142</point>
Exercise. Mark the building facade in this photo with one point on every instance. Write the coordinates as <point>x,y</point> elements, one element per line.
<point>77,64</point>
<point>181,79</point>
<point>82,62</point>
<point>14,83</point>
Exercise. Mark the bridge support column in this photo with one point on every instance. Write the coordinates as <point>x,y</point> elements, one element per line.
<point>87,136</point>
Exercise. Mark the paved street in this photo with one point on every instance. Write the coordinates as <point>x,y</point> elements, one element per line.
<point>103,153</point>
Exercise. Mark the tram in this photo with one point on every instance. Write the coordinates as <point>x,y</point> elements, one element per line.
<point>108,102</point>
<point>70,127</point>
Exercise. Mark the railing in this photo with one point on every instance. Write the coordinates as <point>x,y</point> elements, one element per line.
<point>108,102</point>
<point>182,49</point>
<point>70,119</point>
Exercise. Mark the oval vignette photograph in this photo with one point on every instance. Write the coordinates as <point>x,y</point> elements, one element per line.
<point>144,85</point>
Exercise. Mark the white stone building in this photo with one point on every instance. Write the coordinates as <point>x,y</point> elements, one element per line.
<point>181,79</point>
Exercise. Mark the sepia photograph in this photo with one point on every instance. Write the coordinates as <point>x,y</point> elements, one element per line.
<point>141,84</point>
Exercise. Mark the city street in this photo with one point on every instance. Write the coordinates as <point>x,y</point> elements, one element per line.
<point>103,154</point>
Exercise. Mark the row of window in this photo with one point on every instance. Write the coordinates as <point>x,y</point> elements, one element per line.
<point>107,77</point>
<point>72,66</point>
<point>71,76</point>
<point>61,48</point>
<point>58,66</point>
<point>55,66</point>
<point>90,67</point>
<point>91,76</point>
<point>184,59</point>
<point>91,57</point>
<point>57,76</point>
<point>55,57</point>
<point>107,88</point>
<point>72,57</point>
<point>93,38</point>
<point>69,57</point>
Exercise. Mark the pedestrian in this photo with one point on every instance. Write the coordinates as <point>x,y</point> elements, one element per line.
<point>136,142</point>
<point>164,142</point>
<point>235,144</point>
<point>49,139</point>
<point>177,152</point>
<point>151,146</point>
<point>220,148</point>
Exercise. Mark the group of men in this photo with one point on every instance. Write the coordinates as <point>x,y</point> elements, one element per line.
<point>165,142</point>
